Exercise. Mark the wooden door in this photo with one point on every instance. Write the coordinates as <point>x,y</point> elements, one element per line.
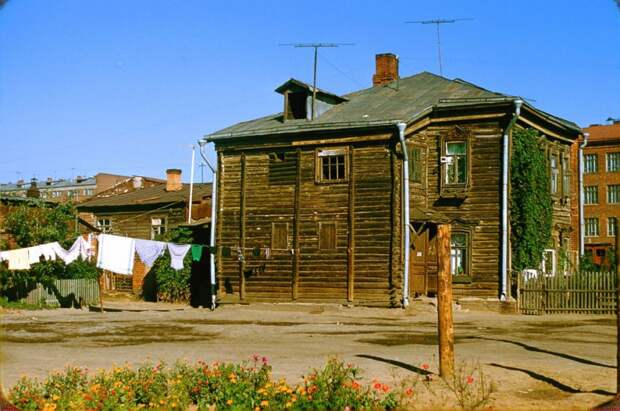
<point>423,262</point>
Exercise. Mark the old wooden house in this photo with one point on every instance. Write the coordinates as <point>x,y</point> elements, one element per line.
<point>312,205</point>
<point>147,210</point>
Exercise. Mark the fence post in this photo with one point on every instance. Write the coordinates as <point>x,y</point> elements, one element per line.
<point>444,302</point>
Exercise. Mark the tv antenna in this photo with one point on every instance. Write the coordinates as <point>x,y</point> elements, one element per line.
<point>316,47</point>
<point>437,23</point>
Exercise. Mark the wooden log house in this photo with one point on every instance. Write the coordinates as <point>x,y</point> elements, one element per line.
<point>311,209</point>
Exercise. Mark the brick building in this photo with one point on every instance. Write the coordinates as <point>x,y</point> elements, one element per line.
<point>77,190</point>
<point>148,211</point>
<point>601,190</point>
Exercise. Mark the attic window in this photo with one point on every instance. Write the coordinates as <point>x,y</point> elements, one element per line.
<point>296,105</point>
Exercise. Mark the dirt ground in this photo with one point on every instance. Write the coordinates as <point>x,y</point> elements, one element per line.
<point>546,362</point>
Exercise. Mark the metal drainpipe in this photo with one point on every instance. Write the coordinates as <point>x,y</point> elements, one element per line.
<point>505,157</point>
<point>405,211</point>
<point>582,223</point>
<point>201,144</point>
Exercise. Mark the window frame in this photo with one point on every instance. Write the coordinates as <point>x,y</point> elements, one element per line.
<point>318,164</point>
<point>612,226</point>
<point>587,227</point>
<point>455,135</point>
<point>566,174</point>
<point>586,199</point>
<point>616,192</point>
<point>416,167</point>
<point>273,235</point>
<point>554,173</point>
<point>466,277</point>
<point>586,169</point>
<point>159,226</point>
<point>105,229</point>
<point>617,162</point>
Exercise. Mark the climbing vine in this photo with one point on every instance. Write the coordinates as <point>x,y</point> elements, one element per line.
<point>530,201</point>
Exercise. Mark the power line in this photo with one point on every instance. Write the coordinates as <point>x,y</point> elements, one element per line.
<point>316,47</point>
<point>437,22</point>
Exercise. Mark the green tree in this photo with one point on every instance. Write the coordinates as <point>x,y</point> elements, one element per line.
<point>530,202</point>
<point>35,223</point>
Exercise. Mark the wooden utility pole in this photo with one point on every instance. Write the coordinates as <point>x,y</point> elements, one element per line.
<point>617,310</point>
<point>444,302</point>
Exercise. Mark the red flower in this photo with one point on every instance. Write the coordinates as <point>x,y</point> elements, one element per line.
<point>409,392</point>
<point>470,379</point>
<point>385,387</point>
<point>425,366</point>
<point>377,386</point>
<point>264,360</point>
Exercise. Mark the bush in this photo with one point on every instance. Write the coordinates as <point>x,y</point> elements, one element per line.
<point>248,385</point>
<point>172,285</point>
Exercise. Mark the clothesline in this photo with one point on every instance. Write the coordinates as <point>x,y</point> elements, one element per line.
<point>115,253</point>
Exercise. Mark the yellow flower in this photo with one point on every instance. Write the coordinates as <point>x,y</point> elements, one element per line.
<point>161,402</point>
<point>229,402</point>
<point>174,405</point>
<point>264,403</point>
<point>289,404</point>
<point>55,397</point>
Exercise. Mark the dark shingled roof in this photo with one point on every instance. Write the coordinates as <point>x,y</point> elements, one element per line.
<point>156,195</point>
<point>403,100</point>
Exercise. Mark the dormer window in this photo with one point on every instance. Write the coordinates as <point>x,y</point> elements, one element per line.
<point>296,105</point>
<point>298,98</point>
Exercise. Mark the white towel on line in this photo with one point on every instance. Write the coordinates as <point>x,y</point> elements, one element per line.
<point>177,254</point>
<point>116,253</point>
<point>149,250</point>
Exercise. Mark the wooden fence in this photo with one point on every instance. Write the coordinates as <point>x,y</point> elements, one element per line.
<point>65,293</point>
<point>581,293</point>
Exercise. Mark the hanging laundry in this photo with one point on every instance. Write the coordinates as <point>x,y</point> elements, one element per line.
<point>80,248</point>
<point>18,259</point>
<point>149,251</point>
<point>196,252</point>
<point>34,254</point>
<point>116,253</point>
<point>177,254</point>
<point>47,251</point>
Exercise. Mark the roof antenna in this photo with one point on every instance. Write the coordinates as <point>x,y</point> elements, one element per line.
<point>316,47</point>
<point>437,22</point>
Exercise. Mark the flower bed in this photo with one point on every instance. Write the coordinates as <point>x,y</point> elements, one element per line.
<point>245,386</point>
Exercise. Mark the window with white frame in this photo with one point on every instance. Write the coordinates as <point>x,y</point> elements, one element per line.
<point>612,226</point>
<point>565,176</point>
<point>104,224</point>
<point>547,265</point>
<point>613,193</point>
<point>554,173</point>
<point>590,194</point>
<point>459,254</point>
<point>592,227</point>
<point>590,163</point>
<point>158,227</point>
<point>613,161</point>
<point>331,165</point>
<point>456,159</point>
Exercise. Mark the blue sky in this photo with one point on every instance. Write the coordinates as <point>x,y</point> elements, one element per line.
<point>127,86</point>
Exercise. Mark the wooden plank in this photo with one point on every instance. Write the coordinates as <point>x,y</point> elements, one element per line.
<point>351,237</point>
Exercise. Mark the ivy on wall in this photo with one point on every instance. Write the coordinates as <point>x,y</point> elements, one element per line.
<point>531,209</point>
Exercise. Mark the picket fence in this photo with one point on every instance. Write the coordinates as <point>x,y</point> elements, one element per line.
<point>579,293</point>
<point>65,293</point>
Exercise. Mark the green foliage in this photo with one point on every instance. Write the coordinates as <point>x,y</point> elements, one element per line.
<point>228,386</point>
<point>38,223</point>
<point>172,285</point>
<point>530,202</point>
<point>18,305</point>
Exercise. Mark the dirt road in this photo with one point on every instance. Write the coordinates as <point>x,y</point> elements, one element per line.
<point>559,362</point>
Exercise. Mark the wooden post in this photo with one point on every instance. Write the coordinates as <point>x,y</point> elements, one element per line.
<point>242,229</point>
<point>351,247</point>
<point>617,309</point>
<point>444,302</point>
<point>296,222</point>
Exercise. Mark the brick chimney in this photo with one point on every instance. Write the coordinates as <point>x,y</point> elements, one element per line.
<point>386,69</point>
<point>33,191</point>
<point>173,180</point>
